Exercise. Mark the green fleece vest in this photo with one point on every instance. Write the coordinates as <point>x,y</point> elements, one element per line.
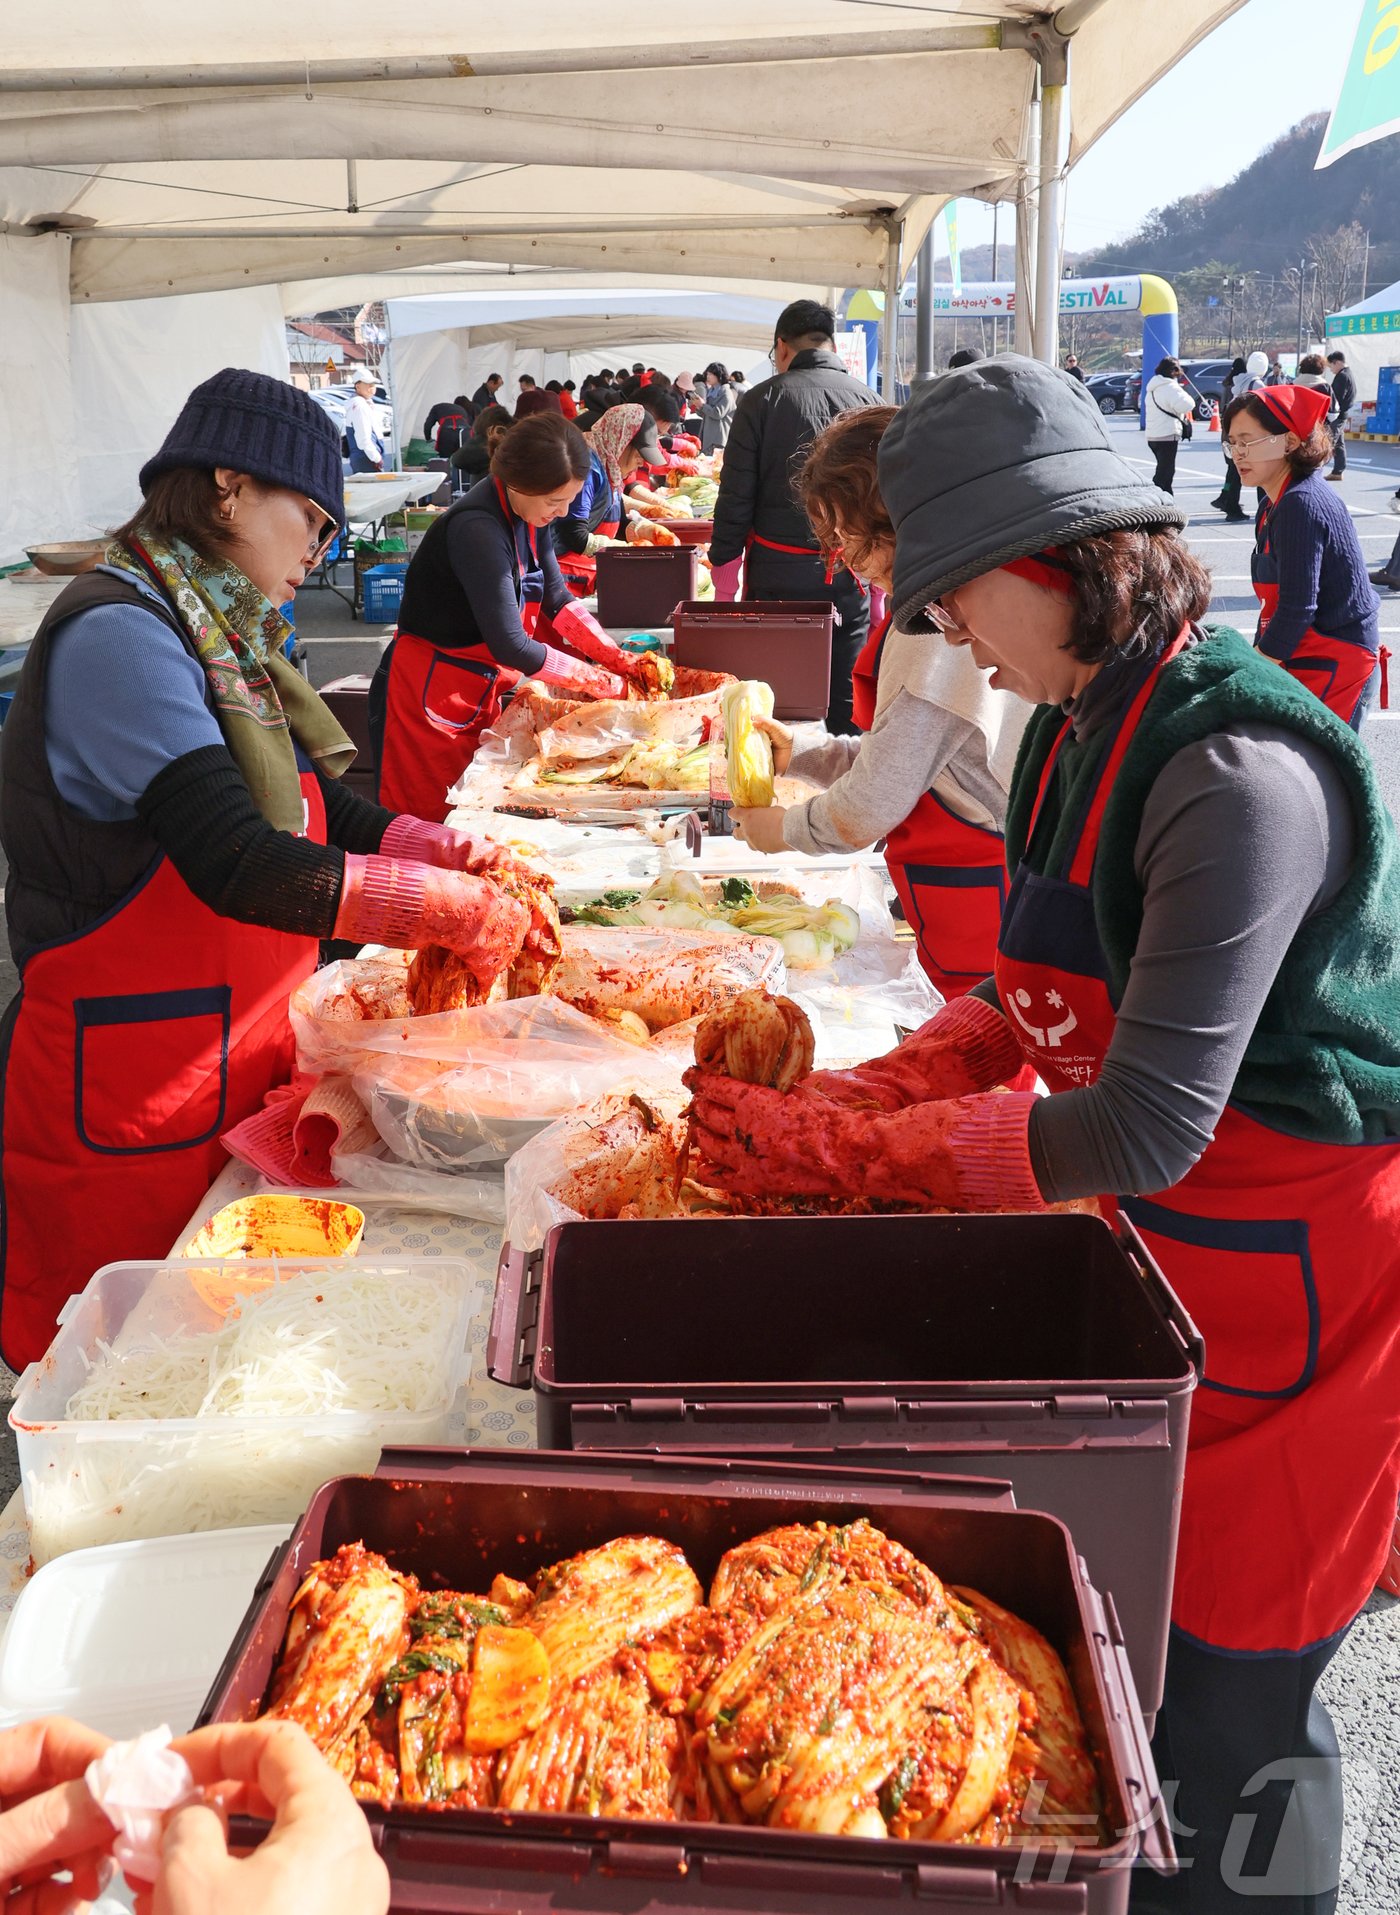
<point>1324,1060</point>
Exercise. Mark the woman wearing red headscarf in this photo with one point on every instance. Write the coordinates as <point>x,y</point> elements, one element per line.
<point>1319,611</point>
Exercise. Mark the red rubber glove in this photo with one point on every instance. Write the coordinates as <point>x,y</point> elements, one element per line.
<point>581,631</point>
<point>726,578</point>
<point>970,1153</point>
<point>450,850</point>
<point>572,675</point>
<point>390,901</point>
<point>968,1046</point>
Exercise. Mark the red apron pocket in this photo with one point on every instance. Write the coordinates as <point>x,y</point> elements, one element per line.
<point>152,1069</point>
<point>955,913</point>
<point>456,691</point>
<point>1249,1285</point>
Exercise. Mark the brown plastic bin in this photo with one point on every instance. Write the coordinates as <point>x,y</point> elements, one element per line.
<point>348,699</point>
<point>456,1517</point>
<point>642,585</point>
<point>784,642</point>
<point>1046,1350</point>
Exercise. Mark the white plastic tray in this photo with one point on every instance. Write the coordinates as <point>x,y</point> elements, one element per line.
<point>131,1635</point>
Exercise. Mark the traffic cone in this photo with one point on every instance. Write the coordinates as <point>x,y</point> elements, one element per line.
<point>1214,425</point>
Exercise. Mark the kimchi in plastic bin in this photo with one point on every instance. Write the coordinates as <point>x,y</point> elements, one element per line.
<point>456,1521</point>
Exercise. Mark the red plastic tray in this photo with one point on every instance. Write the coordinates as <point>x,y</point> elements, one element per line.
<point>690,531</point>
<point>460,1516</point>
<point>1044,1349</point>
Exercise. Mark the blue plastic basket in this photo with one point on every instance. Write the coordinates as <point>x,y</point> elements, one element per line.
<point>383,593</point>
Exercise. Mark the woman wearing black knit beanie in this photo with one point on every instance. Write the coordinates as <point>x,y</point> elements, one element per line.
<point>1200,956</point>
<point>179,844</point>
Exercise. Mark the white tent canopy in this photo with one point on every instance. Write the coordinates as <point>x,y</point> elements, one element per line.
<point>531,135</point>
<point>444,343</point>
<point>156,150</point>
<point>1369,334</point>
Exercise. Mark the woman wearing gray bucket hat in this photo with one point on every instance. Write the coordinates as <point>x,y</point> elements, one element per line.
<point>1200,955</point>
<point>179,845</point>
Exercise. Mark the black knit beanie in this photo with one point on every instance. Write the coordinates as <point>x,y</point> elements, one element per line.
<point>998,461</point>
<point>265,427</point>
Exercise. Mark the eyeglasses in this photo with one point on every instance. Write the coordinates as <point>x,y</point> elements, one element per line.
<point>944,619</point>
<point>1232,447</point>
<point>324,538</point>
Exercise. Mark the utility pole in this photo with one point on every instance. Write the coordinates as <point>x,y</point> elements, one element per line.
<point>996,210</point>
<point>1230,285</point>
<point>1365,265</point>
<point>1302,282</point>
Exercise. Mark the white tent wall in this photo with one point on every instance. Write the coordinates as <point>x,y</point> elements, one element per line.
<point>134,363</point>
<point>1366,354</point>
<point>39,498</point>
<point>423,369</point>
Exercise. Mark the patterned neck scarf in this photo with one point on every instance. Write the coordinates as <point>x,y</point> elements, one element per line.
<point>261,701</point>
<point>612,435</point>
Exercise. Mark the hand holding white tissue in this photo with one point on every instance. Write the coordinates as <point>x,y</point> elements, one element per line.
<point>137,1785</point>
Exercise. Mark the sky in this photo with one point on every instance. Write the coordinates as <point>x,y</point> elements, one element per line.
<point>1182,137</point>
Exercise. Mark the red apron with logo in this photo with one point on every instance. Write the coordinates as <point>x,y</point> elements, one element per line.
<point>131,1046</point>
<point>1287,1254</point>
<point>950,875</point>
<point>1332,669</point>
<point>439,702</point>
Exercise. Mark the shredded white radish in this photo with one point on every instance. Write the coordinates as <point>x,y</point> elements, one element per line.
<point>312,1344</point>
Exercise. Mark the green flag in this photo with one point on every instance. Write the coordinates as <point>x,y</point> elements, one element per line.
<point>1368,106</point>
<point>950,223</point>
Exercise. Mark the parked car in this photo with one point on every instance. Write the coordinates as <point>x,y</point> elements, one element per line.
<point>1205,379</point>
<point>1114,391</point>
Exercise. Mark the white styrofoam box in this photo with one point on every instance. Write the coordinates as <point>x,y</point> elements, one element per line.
<point>132,1635</point>
<point>90,1482</point>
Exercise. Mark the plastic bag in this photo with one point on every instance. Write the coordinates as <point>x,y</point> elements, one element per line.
<point>527,1063</point>
<point>478,1194</point>
<point>627,1143</point>
<point>665,977</point>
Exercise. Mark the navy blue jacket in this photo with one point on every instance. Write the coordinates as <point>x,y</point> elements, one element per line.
<point>1306,545</point>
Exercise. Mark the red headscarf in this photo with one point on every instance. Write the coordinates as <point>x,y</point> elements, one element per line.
<point>1298,409</point>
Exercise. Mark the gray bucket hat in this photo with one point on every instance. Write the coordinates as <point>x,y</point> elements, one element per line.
<point>998,461</point>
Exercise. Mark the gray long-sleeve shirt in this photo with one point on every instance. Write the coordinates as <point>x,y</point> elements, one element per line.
<point>1243,837</point>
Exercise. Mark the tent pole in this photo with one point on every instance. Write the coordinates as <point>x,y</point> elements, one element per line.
<point>400,441</point>
<point>923,326</point>
<point>889,366</point>
<point>1054,117</point>
<point>1025,248</point>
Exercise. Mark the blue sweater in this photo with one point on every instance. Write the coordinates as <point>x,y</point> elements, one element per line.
<point>1306,545</point>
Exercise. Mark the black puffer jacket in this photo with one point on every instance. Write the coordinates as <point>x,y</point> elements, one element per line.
<point>776,421</point>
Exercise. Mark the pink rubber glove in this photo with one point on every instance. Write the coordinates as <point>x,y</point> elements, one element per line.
<point>970,1153</point>
<point>572,675</point>
<point>726,578</point>
<point>406,905</point>
<point>582,631</point>
<point>968,1046</point>
<point>450,850</point>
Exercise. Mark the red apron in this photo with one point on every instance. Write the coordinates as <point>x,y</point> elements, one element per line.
<point>438,703</point>
<point>580,571</point>
<point>1285,1253</point>
<point>1334,670</point>
<point>131,1046</point>
<point>950,875</point>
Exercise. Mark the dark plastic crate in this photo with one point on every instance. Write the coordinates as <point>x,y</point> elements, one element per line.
<point>643,584</point>
<point>457,1517</point>
<point>691,531</point>
<point>784,642</point>
<point>1047,1350</point>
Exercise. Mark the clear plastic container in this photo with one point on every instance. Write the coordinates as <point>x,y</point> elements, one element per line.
<point>91,1482</point>
<point>130,1636</point>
